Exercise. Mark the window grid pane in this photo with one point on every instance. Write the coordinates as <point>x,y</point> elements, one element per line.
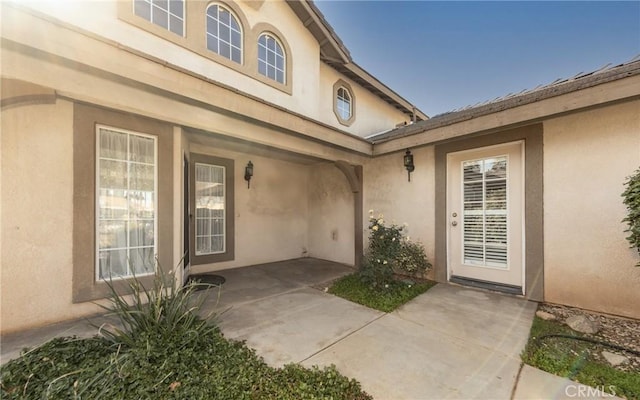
<point>485,212</point>
<point>168,14</point>
<point>271,58</point>
<point>126,202</point>
<point>224,36</point>
<point>210,209</point>
<point>343,103</point>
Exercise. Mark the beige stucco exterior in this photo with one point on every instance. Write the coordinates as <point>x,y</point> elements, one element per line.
<point>311,79</point>
<point>37,216</point>
<point>315,178</point>
<point>279,218</point>
<point>387,191</point>
<point>271,216</point>
<point>588,262</point>
<point>331,215</point>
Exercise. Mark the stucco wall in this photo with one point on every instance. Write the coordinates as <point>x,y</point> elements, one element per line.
<point>331,219</point>
<point>372,114</point>
<point>271,216</point>
<point>311,80</point>
<point>588,262</point>
<point>387,192</point>
<point>37,216</point>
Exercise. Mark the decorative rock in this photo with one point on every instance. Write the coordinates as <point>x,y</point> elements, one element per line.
<point>545,315</point>
<point>581,323</point>
<point>614,359</point>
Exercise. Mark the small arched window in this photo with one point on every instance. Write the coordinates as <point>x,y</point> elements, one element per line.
<point>343,103</point>
<point>224,33</point>
<point>271,58</point>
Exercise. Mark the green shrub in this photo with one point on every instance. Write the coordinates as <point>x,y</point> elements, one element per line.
<point>390,251</point>
<point>632,201</point>
<point>157,314</point>
<point>163,351</point>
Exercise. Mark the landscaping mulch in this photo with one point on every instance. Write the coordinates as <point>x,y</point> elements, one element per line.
<point>620,331</point>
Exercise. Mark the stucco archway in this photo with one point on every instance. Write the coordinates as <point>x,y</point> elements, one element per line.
<point>353,173</point>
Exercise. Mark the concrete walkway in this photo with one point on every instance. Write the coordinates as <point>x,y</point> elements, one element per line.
<point>450,343</point>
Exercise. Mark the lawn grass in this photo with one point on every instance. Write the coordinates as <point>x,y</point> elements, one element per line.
<point>572,359</point>
<point>386,299</point>
<point>210,367</point>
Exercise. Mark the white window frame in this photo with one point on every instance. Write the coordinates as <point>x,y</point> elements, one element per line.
<point>341,100</point>
<point>97,200</point>
<point>152,4</point>
<point>224,220</point>
<point>268,65</point>
<point>216,37</point>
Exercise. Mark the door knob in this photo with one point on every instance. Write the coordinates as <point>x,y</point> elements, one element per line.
<point>454,215</point>
<point>454,223</point>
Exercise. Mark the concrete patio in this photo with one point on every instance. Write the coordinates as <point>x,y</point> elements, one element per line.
<point>451,342</point>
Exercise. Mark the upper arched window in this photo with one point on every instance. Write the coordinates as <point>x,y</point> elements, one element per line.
<point>343,103</point>
<point>167,14</point>
<point>224,33</point>
<point>271,58</point>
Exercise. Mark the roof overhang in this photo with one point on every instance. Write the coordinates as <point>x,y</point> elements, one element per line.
<point>334,53</point>
<point>596,89</point>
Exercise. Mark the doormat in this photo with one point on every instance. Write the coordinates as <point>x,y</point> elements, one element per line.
<point>206,279</point>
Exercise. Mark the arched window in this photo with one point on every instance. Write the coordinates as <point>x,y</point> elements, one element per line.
<point>167,14</point>
<point>343,103</point>
<point>224,33</point>
<point>271,58</point>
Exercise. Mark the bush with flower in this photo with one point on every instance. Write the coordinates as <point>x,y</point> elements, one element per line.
<point>389,252</point>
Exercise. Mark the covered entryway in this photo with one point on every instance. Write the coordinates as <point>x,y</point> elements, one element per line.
<point>485,212</point>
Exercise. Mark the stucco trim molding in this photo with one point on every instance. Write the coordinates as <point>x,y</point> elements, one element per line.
<point>532,136</point>
<point>16,93</point>
<point>340,83</point>
<point>85,118</point>
<point>229,253</point>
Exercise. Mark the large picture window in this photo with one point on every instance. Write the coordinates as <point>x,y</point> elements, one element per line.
<point>126,209</point>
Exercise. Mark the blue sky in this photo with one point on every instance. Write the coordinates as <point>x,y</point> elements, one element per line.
<point>445,55</point>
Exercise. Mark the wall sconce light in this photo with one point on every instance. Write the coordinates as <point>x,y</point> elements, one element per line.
<point>248,173</point>
<point>408,163</point>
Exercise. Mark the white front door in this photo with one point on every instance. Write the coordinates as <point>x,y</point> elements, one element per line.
<point>485,214</point>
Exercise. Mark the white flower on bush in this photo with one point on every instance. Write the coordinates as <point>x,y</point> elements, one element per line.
<point>381,221</point>
<point>374,228</point>
<point>385,262</point>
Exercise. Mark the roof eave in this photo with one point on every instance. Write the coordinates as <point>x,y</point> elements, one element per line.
<point>334,53</point>
<point>554,89</point>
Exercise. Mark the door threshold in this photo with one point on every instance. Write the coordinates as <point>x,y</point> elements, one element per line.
<point>497,287</point>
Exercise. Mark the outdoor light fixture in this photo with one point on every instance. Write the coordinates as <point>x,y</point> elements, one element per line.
<point>248,173</point>
<point>408,163</point>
